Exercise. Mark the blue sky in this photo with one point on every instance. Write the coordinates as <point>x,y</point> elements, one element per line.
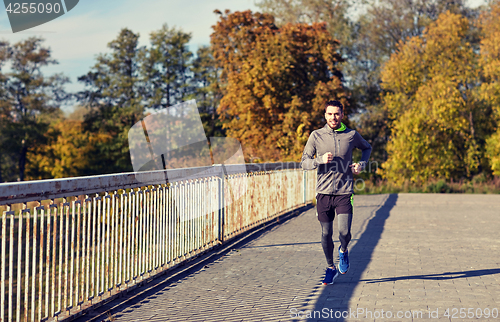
<point>78,36</point>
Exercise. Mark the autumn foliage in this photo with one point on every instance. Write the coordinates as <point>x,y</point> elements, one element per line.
<point>69,151</point>
<point>490,89</point>
<point>438,123</point>
<point>275,82</point>
<point>423,75</point>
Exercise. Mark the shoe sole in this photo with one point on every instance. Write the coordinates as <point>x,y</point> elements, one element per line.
<point>333,280</point>
<point>343,272</point>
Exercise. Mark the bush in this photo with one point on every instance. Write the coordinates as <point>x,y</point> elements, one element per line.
<point>479,184</point>
<point>438,187</point>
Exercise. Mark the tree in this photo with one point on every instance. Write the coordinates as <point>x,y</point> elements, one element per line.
<point>68,151</point>
<point>29,100</point>
<point>438,126</point>
<point>366,43</point>
<point>332,12</point>
<point>6,161</point>
<point>378,32</point>
<point>275,82</point>
<point>113,81</point>
<point>114,97</point>
<point>205,82</point>
<point>166,68</point>
<point>490,88</point>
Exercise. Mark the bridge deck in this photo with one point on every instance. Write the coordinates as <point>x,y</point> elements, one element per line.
<point>413,256</point>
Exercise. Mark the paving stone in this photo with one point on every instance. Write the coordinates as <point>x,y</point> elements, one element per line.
<point>409,253</point>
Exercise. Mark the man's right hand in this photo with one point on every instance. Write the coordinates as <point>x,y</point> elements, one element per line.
<point>327,157</point>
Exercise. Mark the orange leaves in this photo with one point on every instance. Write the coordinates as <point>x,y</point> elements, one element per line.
<point>274,80</point>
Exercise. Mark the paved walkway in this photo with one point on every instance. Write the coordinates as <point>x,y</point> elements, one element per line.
<point>413,256</point>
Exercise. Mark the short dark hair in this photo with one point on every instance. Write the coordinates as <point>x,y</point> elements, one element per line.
<point>334,103</point>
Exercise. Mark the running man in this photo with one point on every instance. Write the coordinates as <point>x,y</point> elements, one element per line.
<point>329,150</point>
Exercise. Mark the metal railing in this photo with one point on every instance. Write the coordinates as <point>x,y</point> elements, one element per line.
<point>67,244</point>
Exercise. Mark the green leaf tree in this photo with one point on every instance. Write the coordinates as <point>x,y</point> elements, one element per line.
<point>206,85</point>
<point>114,97</point>
<point>7,163</point>
<point>165,68</point>
<point>29,100</point>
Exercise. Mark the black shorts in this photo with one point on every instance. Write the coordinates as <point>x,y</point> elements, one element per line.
<point>326,206</point>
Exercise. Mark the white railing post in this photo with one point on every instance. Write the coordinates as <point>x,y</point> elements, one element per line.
<point>222,203</point>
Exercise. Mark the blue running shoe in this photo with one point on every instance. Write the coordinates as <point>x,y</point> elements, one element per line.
<point>330,276</point>
<point>343,261</point>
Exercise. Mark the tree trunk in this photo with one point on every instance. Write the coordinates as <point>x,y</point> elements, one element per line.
<point>22,161</point>
<point>471,122</point>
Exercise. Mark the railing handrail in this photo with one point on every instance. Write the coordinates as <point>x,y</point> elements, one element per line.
<point>36,190</point>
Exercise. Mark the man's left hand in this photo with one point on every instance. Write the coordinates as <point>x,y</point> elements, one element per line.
<point>355,168</point>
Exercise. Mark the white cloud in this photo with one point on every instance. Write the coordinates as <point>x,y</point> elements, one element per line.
<point>475,3</point>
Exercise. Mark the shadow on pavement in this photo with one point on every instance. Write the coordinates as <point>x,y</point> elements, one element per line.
<point>277,245</point>
<point>158,285</point>
<point>360,256</point>
<point>290,244</point>
<point>442,276</point>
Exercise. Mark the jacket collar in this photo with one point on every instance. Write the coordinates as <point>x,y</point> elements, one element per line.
<point>340,129</point>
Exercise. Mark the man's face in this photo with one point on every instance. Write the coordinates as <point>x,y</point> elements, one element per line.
<point>334,116</point>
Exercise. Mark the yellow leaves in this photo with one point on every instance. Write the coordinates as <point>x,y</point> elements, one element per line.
<point>489,23</point>
<point>489,92</point>
<point>442,51</point>
<point>493,152</point>
<point>432,108</point>
<point>402,73</point>
<point>68,152</point>
<point>448,28</point>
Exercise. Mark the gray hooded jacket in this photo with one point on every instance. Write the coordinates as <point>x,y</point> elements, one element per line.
<point>335,177</point>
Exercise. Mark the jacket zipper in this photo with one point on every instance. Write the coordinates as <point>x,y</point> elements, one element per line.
<point>334,155</point>
<point>335,143</point>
